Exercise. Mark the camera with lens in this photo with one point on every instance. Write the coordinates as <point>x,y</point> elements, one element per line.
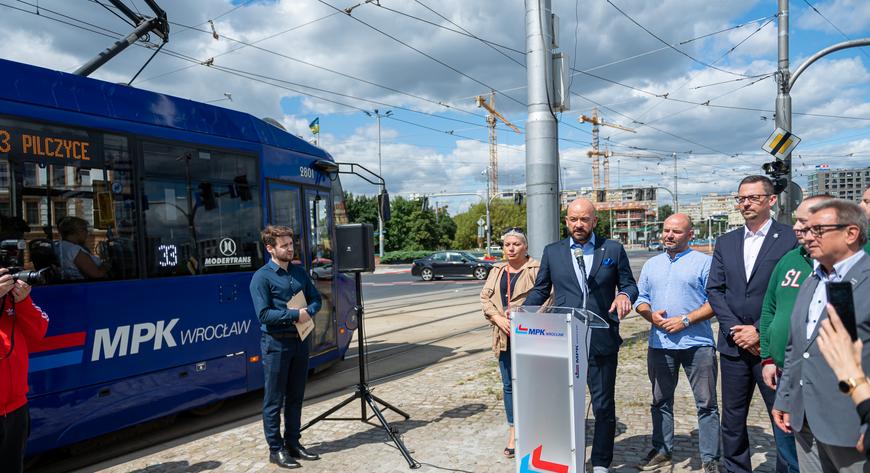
<point>28,276</point>
<point>12,258</point>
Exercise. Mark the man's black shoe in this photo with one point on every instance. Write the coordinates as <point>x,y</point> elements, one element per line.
<point>283,459</point>
<point>298,452</point>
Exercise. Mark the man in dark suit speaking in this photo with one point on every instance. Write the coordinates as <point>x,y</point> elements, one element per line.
<point>588,269</point>
<point>743,261</point>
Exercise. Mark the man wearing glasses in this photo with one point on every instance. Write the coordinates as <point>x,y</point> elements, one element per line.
<point>743,261</point>
<point>824,421</point>
<point>788,275</point>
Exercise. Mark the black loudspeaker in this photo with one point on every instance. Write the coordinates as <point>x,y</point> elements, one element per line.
<point>354,248</point>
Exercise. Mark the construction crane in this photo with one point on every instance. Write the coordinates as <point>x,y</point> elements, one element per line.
<point>594,153</point>
<point>491,121</point>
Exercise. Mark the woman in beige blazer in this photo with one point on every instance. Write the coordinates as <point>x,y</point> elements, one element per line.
<point>506,287</point>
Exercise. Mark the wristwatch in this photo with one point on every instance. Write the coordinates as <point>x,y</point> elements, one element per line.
<point>686,321</point>
<point>847,386</point>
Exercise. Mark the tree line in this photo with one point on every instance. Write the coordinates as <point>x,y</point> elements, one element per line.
<point>417,224</point>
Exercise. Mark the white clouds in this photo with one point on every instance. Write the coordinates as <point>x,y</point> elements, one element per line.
<point>417,160</point>
<point>850,16</point>
<point>35,48</point>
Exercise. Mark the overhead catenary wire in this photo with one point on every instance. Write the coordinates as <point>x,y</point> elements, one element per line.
<point>252,76</point>
<point>678,50</point>
<point>464,30</point>
<point>844,35</point>
<point>427,55</point>
<point>689,79</point>
<point>118,34</point>
<point>342,74</point>
<point>242,44</point>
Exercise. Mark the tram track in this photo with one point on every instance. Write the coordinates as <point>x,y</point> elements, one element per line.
<point>434,335</point>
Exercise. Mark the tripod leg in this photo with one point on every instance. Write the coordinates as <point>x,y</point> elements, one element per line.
<point>399,444</point>
<point>390,407</point>
<point>333,409</point>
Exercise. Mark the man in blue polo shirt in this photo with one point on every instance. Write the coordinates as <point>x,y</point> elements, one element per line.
<point>285,355</point>
<point>673,298</point>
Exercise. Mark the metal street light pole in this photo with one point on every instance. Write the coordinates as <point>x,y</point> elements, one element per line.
<point>487,200</point>
<point>783,103</point>
<point>785,81</point>
<point>676,192</point>
<point>381,173</point>
<point>542,147</point>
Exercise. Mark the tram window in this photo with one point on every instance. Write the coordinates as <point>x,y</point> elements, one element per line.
<point>285,211</point>
<point>320,252</point>
<point>66,198</point>
<point>339,208</point>
<point>202,211</point>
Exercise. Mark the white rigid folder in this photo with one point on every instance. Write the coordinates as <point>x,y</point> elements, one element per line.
<point>549,355</point>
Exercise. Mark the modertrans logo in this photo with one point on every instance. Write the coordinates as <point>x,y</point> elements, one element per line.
<point>538,465</point>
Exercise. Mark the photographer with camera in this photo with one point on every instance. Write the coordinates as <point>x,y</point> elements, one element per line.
<point>21,324</point>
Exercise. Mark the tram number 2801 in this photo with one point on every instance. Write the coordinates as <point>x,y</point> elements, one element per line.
<point>306,172</point>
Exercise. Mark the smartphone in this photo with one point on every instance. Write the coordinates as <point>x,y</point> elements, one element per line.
<point>840,296</point>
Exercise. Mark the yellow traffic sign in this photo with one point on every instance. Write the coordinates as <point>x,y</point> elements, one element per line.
<point>780,143</point>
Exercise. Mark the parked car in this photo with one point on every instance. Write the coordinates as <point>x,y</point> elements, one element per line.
<point>655,246</point>
<point>450,264</point>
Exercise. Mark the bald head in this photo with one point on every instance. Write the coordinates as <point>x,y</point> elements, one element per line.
<point>676,233</point>
<point>680,220</point>
<point>581,219</point>
<point>582,204</point>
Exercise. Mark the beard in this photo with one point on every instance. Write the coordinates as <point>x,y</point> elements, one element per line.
<point>581,234</point>
<point>284,258</point>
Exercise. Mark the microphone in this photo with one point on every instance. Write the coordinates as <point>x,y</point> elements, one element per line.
<point>578,255</point>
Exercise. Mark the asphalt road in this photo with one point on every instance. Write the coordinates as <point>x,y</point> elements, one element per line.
<point>379,286</point>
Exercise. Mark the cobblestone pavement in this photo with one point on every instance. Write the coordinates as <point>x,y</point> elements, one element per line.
<point>457,425</point>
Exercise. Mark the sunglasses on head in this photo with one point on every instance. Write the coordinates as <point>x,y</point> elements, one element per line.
<point>513,229</point>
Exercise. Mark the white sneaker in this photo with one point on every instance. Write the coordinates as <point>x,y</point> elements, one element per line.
<point>600,469</point>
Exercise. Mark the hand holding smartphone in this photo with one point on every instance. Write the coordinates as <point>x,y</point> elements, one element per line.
<point>840,296</point>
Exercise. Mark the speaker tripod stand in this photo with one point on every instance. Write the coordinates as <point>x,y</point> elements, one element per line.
<point>362,390</point>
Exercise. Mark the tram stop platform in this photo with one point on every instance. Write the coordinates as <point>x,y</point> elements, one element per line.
<point>457,425</point>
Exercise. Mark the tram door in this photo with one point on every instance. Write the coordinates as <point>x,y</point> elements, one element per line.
<point>318,209</point>
<point>309,214</point>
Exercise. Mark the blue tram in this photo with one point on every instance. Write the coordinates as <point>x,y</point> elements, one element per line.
<point>174,193</point>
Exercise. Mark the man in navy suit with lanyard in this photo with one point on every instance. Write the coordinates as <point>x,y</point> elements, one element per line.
<point>743,262</point>
<point>586,270</point>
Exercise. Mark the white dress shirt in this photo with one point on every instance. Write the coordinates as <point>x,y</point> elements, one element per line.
<point>820,297</point>
<point>752,242</point>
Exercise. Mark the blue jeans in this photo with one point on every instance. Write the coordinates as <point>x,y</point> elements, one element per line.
<point>785,447</point>
<point>285,368</point>
<point>504,367</point>
<point>663,366</point>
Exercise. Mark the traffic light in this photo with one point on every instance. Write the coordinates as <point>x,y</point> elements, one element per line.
<point>384,205</point>
<point>241,188</point>
<point>775,168</point>
<point>207,195</point>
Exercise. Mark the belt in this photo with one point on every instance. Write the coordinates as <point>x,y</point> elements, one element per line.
<point>284,335</point>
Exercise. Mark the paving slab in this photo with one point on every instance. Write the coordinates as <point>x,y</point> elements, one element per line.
<point>457,425</point>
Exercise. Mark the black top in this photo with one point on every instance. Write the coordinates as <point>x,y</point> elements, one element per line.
<point>504,286</point>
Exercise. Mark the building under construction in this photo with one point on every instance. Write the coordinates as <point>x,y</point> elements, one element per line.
<point>633,212</point>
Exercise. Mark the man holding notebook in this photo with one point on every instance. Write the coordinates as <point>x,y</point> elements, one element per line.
<point>285,301</point>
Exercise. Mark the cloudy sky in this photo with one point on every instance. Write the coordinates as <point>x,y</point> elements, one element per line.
<point>692,77</point>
